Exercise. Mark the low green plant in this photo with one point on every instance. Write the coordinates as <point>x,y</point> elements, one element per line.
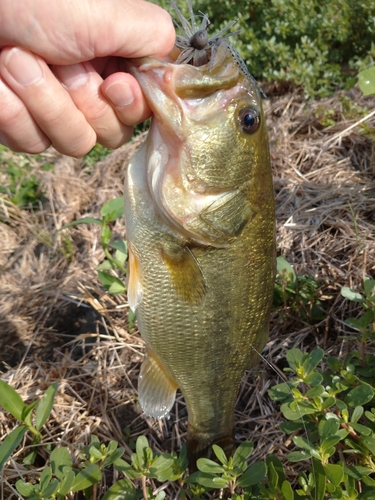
<point>18,183</point>
<point>329,409</point>
<point>331,414</point>
<point>110,211</point>
<point>97,153</point>
<point>300,293</point>
<point>364,324</point>
<point>113,269</point>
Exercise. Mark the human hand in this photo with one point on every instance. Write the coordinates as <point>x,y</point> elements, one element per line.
<point>60,76</point>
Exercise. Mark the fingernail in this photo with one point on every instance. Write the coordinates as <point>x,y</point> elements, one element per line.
<point>23,67</point>
<point>120,94</point>
<point>73,76</point>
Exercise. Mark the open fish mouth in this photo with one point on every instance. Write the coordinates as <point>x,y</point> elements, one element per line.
<point>183,97</point>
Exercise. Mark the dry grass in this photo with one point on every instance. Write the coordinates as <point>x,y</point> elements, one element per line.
<point>57,323</point>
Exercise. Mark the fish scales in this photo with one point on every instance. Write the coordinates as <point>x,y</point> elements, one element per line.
<point>199,213</point>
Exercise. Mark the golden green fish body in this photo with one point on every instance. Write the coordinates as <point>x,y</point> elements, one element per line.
<point>199,212</point>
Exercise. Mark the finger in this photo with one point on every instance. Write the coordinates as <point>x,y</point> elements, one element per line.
<point>18,130</point>
<point>83,84</point>
<point>125,94</point>
<point>47,101</point>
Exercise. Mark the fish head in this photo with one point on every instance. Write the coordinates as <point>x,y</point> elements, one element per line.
<point>207,141</point>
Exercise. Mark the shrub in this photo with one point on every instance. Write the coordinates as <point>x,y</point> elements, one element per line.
<point>319,44</point>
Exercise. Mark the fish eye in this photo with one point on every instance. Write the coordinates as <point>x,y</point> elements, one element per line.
<point>249,119</point>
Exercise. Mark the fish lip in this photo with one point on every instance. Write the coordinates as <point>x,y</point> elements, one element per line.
<point>184,80</point>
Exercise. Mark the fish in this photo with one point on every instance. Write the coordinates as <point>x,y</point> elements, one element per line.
<point>200,230</point>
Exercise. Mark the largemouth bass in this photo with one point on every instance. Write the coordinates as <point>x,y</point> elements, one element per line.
<point>199,214</point>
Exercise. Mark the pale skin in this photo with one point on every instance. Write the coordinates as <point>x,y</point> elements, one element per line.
<point>61,75</point>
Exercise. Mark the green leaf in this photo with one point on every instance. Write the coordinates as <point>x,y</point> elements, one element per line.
<point>298,456</point>
<point>105,235</point>
<point>140,448</point>
<point>162,468</point>
<point>209,481</point>
<point>278,467</point>
<point>312,360</point>
<point>316,391</point>
<point>357,471</point>
<point>313,378</point>
<point>106,265</point>
<point>132,317</point>
<point>115,455</point>
<point>357,414</point>
<point>286,491</point>
<point>44,408</point>
<point>50,489</point>
<point>220,454</point>
<point>285,269</point>
<point>95,453</point>
<point>25,489</point>
<point>242,453</point>
<point>369,286</point>
<point>119,245</point>
<point>111,283</point>
<point>335,473</point>
<point>87,477</point>
<point>60,458</point>
<point>11,400</point>
<point>282,391</point>
<point>84,220</point>
<point>66,483</point>
<point>26,414</point>
<point>120,257</point>
<point>207,465</point>
<point>296,410</point>
<point>361,429</point>
<point>320,480</point>
<point>291,426</point>
<point>254,475</point>
<point>295,358</point>
<point>366,81</point>
<point>359,395</point>
<point>122,490</point>
<point>30,457</point>
<point>369,442</point>
<point>126,468</point>
<point>329,427</point>
<point>352,295</point>
<point>369,495</point>
<point>113,209</point>
<point>10,443</point>
<point>369,482</point>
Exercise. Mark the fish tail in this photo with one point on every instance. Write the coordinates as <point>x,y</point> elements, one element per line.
<point>200,446</point>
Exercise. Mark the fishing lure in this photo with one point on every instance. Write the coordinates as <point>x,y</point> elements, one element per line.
<point>198,49</point>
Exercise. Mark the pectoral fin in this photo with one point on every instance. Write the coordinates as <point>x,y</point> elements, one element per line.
<point>157,391</point>
<point>134,284</point>
<point>185,273</point>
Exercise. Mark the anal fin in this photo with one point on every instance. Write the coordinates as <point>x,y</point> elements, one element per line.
<point>157,391</point>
